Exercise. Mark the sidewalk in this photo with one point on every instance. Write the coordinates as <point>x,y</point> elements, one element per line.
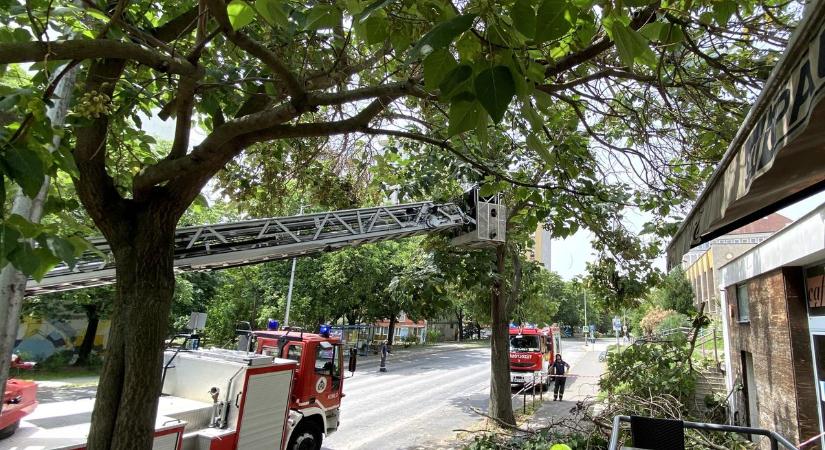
<point>580,387</point>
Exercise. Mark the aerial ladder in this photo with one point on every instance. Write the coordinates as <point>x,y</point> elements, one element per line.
<point>475,222</point>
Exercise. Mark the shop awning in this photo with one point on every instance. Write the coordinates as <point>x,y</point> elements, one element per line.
<point>778,155</point>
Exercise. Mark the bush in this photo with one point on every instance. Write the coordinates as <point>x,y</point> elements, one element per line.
<point>433,336</point>
<point>657,317</point>
<point>672,320</point>
<point>56,361</point>
<point>650,370</point>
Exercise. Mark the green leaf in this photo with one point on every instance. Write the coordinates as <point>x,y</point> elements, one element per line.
<point>533,143</point>
<point>273,12</point>
<point>666,33</point>
<point>723,10</point>
<point>63,249</point>
<point>240,14</point>
<point>551,21</point>
<point>27,229</point>
<point>9,240</point>
<point>25,168</point>
<point>2,195</point>
<point>442,35</point>
<point>495,89</point>
<point>436,66</point>
<point>454,80</point>
<point>377,30</point>
<point>523,16</point>
<point>706,18</point>
<point>631,45</point>
<point>373,7</point>
<point>323,16</point>
<point>464,116</point>
<point>35,262</point>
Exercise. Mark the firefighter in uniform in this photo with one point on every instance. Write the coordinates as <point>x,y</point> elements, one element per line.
<point>559,369</point>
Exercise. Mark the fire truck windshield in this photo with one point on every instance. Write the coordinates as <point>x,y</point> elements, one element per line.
<point>524,343</point>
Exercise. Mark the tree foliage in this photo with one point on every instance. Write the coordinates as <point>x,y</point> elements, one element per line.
<point>570,107</point>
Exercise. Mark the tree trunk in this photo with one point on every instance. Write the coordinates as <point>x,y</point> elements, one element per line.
<point>460,316</point>
<point>391,331</point>
<point>12,281</point>
<point>501,407</point>
<point>478,329</point>
<point>92,320</point>
<point>127,399</point>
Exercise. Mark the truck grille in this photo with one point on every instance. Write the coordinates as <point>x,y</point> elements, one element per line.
<point>522,365</point>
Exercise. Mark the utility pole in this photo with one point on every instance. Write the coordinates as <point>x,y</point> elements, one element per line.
<point>291,282</point>
<point>586,326</point>
<point>12,281</point>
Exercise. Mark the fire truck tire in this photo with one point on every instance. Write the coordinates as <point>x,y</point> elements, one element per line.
<point>9,430</point>
<point>306,437</point>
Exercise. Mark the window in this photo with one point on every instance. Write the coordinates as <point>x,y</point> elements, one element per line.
<point>742,305</point>
<point>293,352</point>
<point>325,360</point>
<point>521,343</point>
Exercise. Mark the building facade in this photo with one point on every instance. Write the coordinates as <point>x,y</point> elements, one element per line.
<point>702,264</point>
<point>774,328</point>
<point>542,244</point>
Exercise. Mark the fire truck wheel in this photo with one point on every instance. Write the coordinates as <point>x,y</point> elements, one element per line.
<point>9,430</point>
<point>306,437</point>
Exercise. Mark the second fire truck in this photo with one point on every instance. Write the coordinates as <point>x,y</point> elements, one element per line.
<point>532,351</point>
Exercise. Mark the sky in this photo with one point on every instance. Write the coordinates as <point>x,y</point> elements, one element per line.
<point>568,257</point>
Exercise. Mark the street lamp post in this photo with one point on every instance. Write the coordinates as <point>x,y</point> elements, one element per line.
<point>584,292</point>
<point>291,282</point>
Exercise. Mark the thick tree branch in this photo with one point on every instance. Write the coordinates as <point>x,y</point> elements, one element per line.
<point>19,52</point>
<point>256,49</point>
<point>177,27</point>
<point>95,187</point>
<point>398,89</point>
<point>599,46</point>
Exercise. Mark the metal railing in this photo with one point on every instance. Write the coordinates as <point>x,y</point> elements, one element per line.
<point>775,438</point>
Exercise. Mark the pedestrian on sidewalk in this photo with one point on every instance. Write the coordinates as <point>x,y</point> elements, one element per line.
<point>560,367</point>
<point>384,351</point>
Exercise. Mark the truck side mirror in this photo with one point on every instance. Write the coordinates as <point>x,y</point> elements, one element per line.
<point>353,359</point>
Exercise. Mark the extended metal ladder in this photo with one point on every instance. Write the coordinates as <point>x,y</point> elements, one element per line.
<point>217,246</point>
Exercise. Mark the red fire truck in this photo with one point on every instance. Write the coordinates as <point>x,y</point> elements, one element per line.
<point>531,352</point>
<point>284,395</point>
<point>19,400</point>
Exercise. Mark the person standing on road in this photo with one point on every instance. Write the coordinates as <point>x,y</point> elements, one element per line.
<point>560,367</point>
<point>384,351</point>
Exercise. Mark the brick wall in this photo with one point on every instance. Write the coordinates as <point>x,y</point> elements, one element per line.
<point>777,337</point>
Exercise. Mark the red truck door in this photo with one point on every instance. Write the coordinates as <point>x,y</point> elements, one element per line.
<point>328,381</point>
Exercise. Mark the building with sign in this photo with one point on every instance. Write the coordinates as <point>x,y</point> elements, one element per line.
<point>702,263</point>
<point>776,157</point>
<point>771,296</point>
<point>775,330</point>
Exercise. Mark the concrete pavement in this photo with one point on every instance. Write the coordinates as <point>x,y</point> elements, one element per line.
<point>583,384</point>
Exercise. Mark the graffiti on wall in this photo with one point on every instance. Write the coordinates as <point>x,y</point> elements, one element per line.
<point>38,339</point>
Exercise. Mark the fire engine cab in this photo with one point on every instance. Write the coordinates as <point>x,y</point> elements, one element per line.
<point>531,352</point>
<point>19,399</point>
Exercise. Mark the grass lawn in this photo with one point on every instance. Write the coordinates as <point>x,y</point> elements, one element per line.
<point>39,374</point>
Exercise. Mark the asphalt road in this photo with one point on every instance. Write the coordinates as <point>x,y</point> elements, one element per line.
<point>420,400</point>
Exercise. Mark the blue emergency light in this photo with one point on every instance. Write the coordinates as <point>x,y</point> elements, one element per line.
<point>323,330</point>
<point>272,325</point>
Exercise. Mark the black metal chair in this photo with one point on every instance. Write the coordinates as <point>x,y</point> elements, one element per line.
<point>657,434</point>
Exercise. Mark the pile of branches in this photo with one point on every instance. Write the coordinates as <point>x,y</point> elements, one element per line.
<point>588,425</point>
